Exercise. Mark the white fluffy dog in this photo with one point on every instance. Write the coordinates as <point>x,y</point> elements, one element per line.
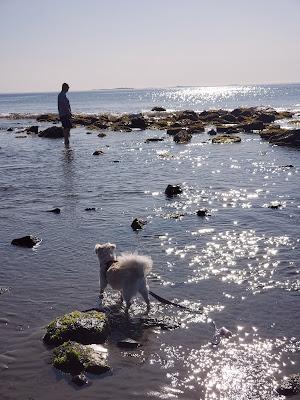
<point>127,273</point>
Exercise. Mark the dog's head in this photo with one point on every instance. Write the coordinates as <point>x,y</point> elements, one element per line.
<point>105,252</point>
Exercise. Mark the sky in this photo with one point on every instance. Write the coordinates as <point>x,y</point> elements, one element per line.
<point>93,44</point>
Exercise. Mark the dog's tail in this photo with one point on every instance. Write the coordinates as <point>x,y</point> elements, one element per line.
<point>134,259</point>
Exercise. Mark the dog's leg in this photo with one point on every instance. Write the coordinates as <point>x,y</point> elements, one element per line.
<point>126,295</point>
<point>145,294</point>
<point>103,283</point>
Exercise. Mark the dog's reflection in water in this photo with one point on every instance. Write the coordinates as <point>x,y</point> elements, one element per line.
<point>126,273</point>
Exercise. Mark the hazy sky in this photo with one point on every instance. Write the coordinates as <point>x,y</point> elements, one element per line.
<point>139,43</point>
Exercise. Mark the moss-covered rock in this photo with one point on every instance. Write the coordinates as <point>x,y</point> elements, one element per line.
<point>83,327</point>
<point>226,139</point>
<point>75,357</point>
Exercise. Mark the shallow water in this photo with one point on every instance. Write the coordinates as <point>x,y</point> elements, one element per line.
<point>240,263</point>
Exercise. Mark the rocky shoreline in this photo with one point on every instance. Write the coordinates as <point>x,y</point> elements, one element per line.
<point>182,124</point>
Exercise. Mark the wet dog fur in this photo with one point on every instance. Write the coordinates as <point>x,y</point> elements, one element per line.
<point>126,273</point>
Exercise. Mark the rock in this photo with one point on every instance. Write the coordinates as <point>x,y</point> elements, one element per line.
<point>188,115</point>
<point>128,343</point>
<point>266,118</point>
<point>158,109</point>
<point>252,126</point>
<point>137,121</point>
<point>88,133</point>
<point>75,357</point>
<point>83,327</point>
<point>275,205</point>
<point>54,210</point>
<point>229,118</point>
<point>47,117</point>
<point>226,139</point>
<point>196,128</point>
<point>80,379</point>
<point>281,137</point>
<point>9,129</point>
<point>203,212</point>
<point>117,127</point>
<point>33,129</point>
<point>165,323</point>
<point>289,386</point>
<point>173,131</point>
<point>138,224</point>
<point>26,241</point>
<point>21,137</point>
<point>54,132</point>
<point>90,209</point>
<point>182,137</point>
<point>212,132</point>
<point>98,153</point>
<point>154,139</point>
<point>101,134</point>
<point>172,190</point>
<point>287,166</point>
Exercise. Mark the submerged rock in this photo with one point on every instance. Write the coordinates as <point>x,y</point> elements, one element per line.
<point>26,241</point>
<point>212,132</point>
<point>54,132</point>
<point>101,134</point>
<point>128,343</point>
<point>74,357</point>
<point>80,379</point>
<point>154,139</point>
<point>157,108</point>
<point>83,327</point>
<point>182,137</point>
<point>173,190</point>
<point>275,205</point>
<point>138,224</point>
<point>54,210</point>
<point>165,323</point>
<point>33,129</point>
<point>226,139</point>
<point>289,386</point>
<point>202,212</point>
<point>98,153</point>
<point>90,209</point>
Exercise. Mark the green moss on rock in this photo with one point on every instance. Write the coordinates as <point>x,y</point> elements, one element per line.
<point>83,327</point>
<point>74,358</point>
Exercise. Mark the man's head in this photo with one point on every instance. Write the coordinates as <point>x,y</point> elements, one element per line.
<point>65,87</point>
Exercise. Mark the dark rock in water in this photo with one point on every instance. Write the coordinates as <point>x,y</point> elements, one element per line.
<point>128,343</point>
<point>172,190</point>
<point>252,126</point>
<point>158,109</point>
<point>266,117</point>
<point>165,323</point>
<point>47,117</point>
<point>116,161</point>
<point>54,210</point>
<point>138,122</point>
<point>203,212</point>
<point>154,139</point>
<point>289,386</point>
<point>225,139</point>
<point>26,241</point>
<point>101,134</point>
<point>9,129</point>
<point>88,133</point>
<point>80,379</point>
<point>33,129</point>
<point>21,137</point>
<point>196,128</point>
<point>212,132</point>
<point>188,115</point>
<point>98,153</point>
<point>90,209</point>
<point>83,327</point>
<point>54,132</point>
<point>281,137</point>
<point>287,166</point>
<point>229,118</point>
<point>173,131</point>
<point>275,205</point>
<point>75,357</point>
<point>182,137</point>
<point>138,224</point>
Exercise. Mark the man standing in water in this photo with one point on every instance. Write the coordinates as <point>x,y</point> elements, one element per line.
<point>64,111</point>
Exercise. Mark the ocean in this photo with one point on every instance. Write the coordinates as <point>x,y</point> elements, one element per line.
<point>240,263</point>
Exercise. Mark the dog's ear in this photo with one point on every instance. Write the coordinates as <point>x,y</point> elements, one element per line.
<point>98,246</point>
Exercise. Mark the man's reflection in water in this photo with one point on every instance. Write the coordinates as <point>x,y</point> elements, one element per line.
<point>69,175</point>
